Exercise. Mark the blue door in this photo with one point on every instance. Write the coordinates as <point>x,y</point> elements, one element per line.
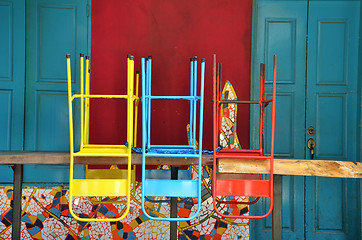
<point>12,83</point>
<point>331,108</point>
<point>317,47</point>
<point>53,29</point>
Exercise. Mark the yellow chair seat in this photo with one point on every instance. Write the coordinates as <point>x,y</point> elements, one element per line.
<point>103,150</point>
<point>100,187</point>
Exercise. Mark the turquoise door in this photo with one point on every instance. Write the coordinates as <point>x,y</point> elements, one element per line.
<point>53,29</point>
<point>12,71</point>
<point>331,108</point>
<point>317,47</point>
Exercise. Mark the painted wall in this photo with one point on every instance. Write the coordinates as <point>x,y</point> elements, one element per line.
<point>172,32</point>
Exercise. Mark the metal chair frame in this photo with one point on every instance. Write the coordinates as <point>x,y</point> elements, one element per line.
<point>242,187</point>
<point>111,186</point>
<point>167,187</point>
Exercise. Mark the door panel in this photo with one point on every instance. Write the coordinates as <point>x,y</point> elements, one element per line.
<point>333,35</point>
<point>12,70</point>
<point>54,29</point>
<point>279,31</point>
<point>331,122</point>
<point>331,220</point>
<point>52,120</point>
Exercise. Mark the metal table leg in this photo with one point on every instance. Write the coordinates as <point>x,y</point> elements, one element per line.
<point>18,182</point>
<point>173,213</point>
<point>277,210</point>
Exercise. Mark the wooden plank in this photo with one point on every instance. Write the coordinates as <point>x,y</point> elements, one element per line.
<point>12,158</point>
<point>56,158</point>
<point>321,168</point>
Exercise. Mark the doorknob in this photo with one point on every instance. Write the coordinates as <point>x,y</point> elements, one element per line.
<point>311,145</point>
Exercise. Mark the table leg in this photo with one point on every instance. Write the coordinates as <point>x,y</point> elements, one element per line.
<point>277,210</point>
<point>18,184</point>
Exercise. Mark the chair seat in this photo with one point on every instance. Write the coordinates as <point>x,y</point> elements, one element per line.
<point>103,150</point>
<point>100,187</point>
<point>247,188</point>
<point>239,155</point>
<point>172,151</point>
<point>251,152</point>
<point>171,188</point>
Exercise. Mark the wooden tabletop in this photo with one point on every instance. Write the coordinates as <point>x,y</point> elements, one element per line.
<point>303,167</point>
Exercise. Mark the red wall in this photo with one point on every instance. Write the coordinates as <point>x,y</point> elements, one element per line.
<point>172,32</point>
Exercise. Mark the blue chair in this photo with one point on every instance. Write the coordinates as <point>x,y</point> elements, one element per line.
<point>153,185</point>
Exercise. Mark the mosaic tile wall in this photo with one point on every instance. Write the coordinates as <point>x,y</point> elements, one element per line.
<point>45,215</point>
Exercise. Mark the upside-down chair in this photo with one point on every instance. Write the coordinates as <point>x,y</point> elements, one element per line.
<point>247,185</point>
<point>156,183</point>
<point>100,183</point>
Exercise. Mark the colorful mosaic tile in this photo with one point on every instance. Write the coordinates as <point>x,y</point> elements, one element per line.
<point>228,136</point>
<point>45,215</point>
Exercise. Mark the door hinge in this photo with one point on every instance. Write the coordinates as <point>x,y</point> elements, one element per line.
<point>87,10</point>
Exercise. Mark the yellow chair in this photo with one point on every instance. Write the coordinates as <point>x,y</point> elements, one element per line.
<point>114,183</point>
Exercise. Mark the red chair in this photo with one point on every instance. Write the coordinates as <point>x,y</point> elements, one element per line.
<point>248,185</point>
